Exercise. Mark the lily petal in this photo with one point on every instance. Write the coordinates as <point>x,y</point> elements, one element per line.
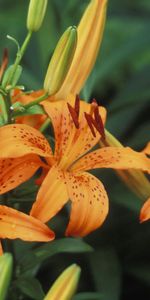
<point>145,211</point>
<point>51,197</point>
<point>115,158</point>
<point>147,149</point>
<point>54,111</point>
<point>14,171</point>
<point>18,140</point>
<point>15,224</point>
<point>90,33</point>
<point>89,204</point>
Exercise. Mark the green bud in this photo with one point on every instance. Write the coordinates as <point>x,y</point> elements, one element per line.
<point>65,285</point>
<point>36,13</point>
<point>61,61</point>
<point>8,73</point>
<point>5,274</point>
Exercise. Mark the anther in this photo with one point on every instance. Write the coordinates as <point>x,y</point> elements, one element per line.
<point>74,111</point>
<point>95,121</point>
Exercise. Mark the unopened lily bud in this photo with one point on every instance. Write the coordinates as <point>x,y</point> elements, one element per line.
<point>90,33</point>
<point>61,61</point>
<point>5,274</point>
<point>66,284</point>
<point>36,13</point>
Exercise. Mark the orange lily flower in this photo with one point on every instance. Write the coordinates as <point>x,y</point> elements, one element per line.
<point>67,177</point>
<point>77,130</point>
<point>17,225</point>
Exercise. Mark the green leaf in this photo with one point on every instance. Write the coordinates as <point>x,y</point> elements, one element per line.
<point>30,287</point>
<point>135,90</point>
<point>106,273</point>
<point>120,121</point>
<point>140,271</point>
<point>140,137</point>
<point>66,245</point>
<point>88,296</point>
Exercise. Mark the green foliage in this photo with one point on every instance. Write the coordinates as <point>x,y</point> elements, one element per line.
<point>30,287</point>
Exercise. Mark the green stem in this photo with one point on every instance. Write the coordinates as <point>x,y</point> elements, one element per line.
<point>5,105</point>
<point>19,111</point>
<point>37,101</point>
<point>19,56</point>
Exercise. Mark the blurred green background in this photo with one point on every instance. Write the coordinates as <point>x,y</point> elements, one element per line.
<point>119,267</point>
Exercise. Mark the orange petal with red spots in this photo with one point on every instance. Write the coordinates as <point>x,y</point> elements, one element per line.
<point>15,224</point>
<point>89,204</point>
<point>115,158</point>
<point>18,140</point>
<point>51,197</point>
<point>14,171</point>
<point>145,211</point>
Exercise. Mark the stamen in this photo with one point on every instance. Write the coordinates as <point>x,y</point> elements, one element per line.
<point>93,106</point>
<point>4,62</point>
<point>96,121</point>
<point>90,123</point>
<point>73,115</point>
<point>77,105</point>
<point>99,123</point>
<point>74,111</point>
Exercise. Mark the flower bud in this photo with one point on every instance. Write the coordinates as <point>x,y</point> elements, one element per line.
<point>36,13</point>
<point>90,33</point>
<point>61,61</point>
<point>5,274</point>
<point>65,285</point>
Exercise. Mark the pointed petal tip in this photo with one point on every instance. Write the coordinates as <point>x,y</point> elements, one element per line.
<point>145,211</point>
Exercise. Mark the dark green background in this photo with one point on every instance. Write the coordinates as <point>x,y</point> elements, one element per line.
<point>119,269</point>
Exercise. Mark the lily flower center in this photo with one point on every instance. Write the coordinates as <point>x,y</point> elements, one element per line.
<point>83,136</point>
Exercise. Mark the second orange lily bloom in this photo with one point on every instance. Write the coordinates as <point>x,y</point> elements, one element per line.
<point>77,130</point>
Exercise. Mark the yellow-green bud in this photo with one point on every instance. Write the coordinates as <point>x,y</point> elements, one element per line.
<point>5,274</point>
<point>61,61</point>
<point>66,284</point>
<point>36,13</point>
